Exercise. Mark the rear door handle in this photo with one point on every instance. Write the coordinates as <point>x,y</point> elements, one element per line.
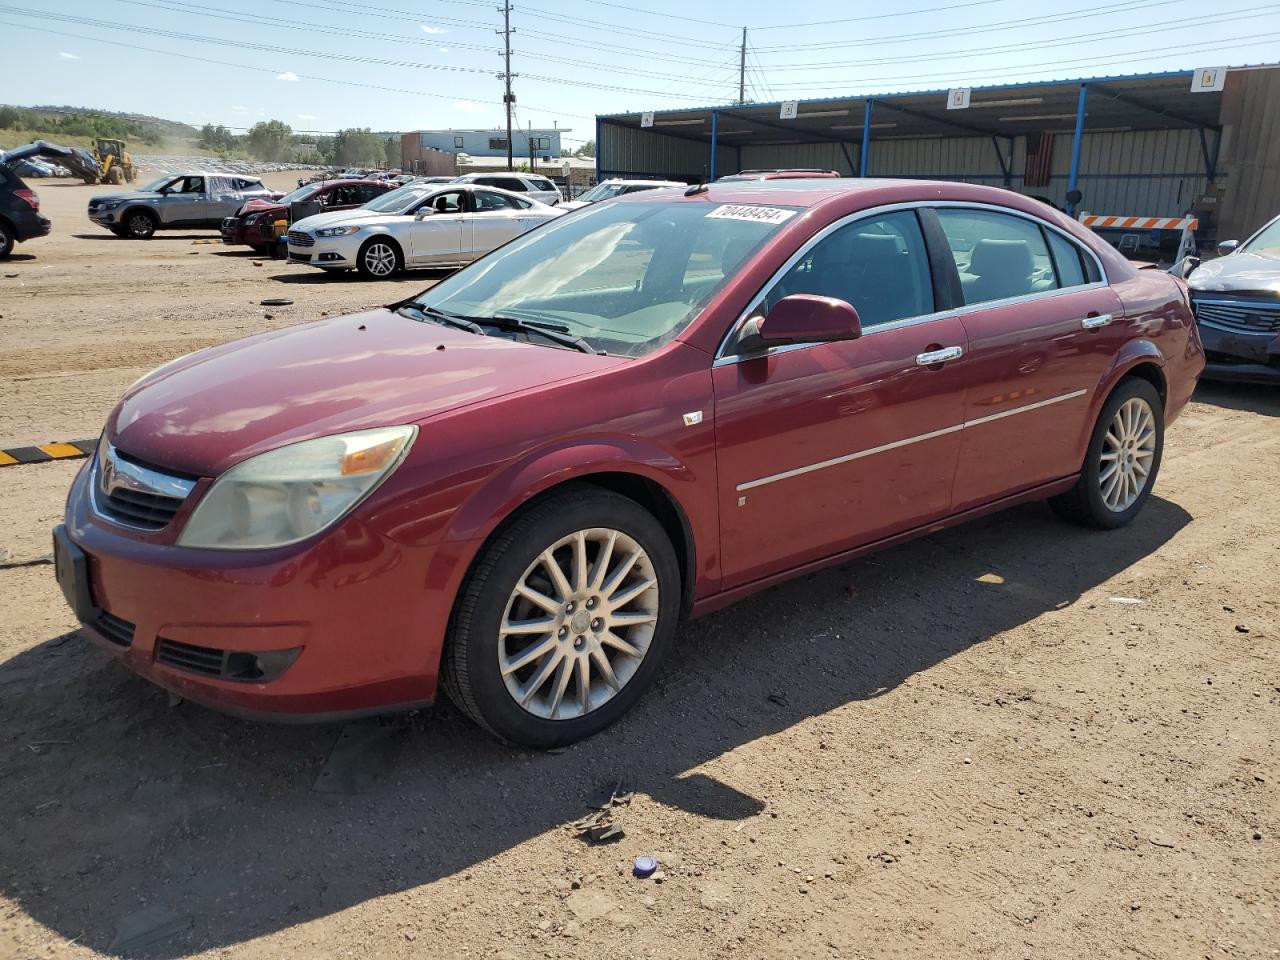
<point>938,356</point>
<point>1101,320</point>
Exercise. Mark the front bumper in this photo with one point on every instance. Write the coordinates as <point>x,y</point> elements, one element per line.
<point>363,611</point>
<point>327,252</point>
<point>106,218</point>
<point>1236,355</point>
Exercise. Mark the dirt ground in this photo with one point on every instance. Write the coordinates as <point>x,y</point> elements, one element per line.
<point>1014,739</point>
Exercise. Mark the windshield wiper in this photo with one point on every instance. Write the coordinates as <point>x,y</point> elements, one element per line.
<point>555,332</point>
<point>440,317</point>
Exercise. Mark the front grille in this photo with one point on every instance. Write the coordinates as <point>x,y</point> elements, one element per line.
<point>148,511</point>
<point>299,239</point>
<point>299,257</point>
<point>194,659</point>
<point>1242,316</point>
<point>115,629</point>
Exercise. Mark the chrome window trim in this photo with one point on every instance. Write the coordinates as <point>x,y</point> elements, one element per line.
<point>723,359</point>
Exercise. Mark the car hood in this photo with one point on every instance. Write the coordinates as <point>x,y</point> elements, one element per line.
<point>203,413</point>
<point>125,195</point>
<point>336,217</point>
<point>258,205</point>
<point>573,204</point>
<point>1238,273</point>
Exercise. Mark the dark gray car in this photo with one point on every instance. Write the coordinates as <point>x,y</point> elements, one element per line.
<point>183,201</point>
<point>1237,304</point>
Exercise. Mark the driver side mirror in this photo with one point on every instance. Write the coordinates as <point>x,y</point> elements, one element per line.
<point>1226,246</point>
<point>423,213</point>
<point>801,318</point>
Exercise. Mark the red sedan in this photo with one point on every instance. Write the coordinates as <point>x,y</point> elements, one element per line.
<point>253,225</point>
<point>519,481</point>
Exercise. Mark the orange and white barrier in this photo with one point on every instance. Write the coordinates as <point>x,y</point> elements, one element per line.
<point>1141,223</point>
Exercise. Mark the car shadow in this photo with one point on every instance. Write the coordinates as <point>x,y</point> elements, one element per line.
<point>161,235</point>
<point>311,275</point>
<point>115,800</point>
<point>1250,397</point>
<point>17,258</point>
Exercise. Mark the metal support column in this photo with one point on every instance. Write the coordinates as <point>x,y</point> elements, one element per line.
<point>715,123</point>
<point>1210,155</point>
<point>865,154</point>
<point>597,150</point>
<point>1074,178</point>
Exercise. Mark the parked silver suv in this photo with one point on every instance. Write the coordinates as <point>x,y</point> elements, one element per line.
<point>183,201</point>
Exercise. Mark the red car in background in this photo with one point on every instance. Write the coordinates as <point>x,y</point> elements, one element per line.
<point>517,483</point>
<point>253,225</point>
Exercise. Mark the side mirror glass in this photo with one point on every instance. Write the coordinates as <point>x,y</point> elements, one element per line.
<point>1226,246</point>
<point>801,318</point>
<point>423,213</point>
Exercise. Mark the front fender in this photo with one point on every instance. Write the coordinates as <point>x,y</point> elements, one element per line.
<point>539,471</point>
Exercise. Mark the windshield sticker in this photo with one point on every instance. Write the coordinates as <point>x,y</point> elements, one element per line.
<point>737,211</point>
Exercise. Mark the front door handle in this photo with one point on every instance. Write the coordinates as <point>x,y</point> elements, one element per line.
<point>938,356</point>
<point>1098,320</point>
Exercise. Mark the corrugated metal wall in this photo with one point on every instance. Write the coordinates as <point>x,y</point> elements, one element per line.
<point>1157,173</point>
<point>1250,156</point>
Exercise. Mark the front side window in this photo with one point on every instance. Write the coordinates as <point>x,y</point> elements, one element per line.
<point>879,265</point>
<point>451,202</point>
<point>627,278</point>
<point>998,255</point>
<point>395,201</point>
<point>192,185</point>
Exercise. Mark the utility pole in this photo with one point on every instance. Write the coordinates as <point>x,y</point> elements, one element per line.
<point>742,69</point>
<point>508,98</point>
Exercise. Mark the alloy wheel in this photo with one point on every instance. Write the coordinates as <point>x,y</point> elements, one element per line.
<point>140,225</point>
<point>578,624</point>
<point>1128,452</point>
<point>380,260</point>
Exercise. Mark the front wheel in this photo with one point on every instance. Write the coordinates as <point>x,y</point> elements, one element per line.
<point>379,259</point>
<point>564,620</point>
<point>1123,459</point>
<point>139,224</point>
<point>7,241</point>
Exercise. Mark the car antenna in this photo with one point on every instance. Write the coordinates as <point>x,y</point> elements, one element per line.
<point>696,189</point>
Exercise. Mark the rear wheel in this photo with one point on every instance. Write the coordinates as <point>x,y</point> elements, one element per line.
<point>1123,459</point>
<point>379,259</point>
<point>115,176</point>
<point>564,620</point>
<point>139,224</point>
<point>7,240</point>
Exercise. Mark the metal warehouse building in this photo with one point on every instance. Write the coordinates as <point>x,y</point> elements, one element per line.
<point>1147,145</point>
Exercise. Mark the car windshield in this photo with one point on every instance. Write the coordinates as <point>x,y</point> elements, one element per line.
<point>1267,242</point>
<point>626,277</point>
<point>395,201</point>
<point>602,192</point>
<point>302,193</point>
<point>155,185</point>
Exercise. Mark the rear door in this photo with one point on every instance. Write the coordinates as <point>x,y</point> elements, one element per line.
<point>824,447</point>
<point>491,220</point>
<point>1043,327</point>
<point>225,196</point>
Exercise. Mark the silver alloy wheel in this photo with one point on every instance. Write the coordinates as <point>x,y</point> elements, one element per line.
<point>1128,451</point>
<point>380,260</point>
<point>140,224</point>
<point>578,624</point>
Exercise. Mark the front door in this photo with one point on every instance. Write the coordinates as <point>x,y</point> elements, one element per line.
<point>435,236</point>
<point>187,203</point>
<point>824,447</point>
<point>1045,331</point>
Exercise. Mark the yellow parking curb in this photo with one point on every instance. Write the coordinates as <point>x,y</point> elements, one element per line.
<point>46,452</point>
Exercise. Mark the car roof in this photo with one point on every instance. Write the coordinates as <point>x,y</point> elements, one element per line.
<point>869,191</point>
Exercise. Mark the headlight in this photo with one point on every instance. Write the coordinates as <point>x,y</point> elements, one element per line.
<point>289,494</point>
<point>337,231</point>
<point>252,218</point>
<point>109,204</point>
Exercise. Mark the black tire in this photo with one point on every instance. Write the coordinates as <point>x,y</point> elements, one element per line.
<point>373,262</point>
<point>7,240</point>
<point>470,670</point>
<point>139,224</point>
<point>115,176</point>
<point>1084,503</point>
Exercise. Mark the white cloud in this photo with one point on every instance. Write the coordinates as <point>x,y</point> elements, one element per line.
<point>239,108</point>
<point>68,56</point>
<point>469,106</point>
<point>443,49</point>
<point>306,116</point>
<point>430,29</point>
<point>288,75</point>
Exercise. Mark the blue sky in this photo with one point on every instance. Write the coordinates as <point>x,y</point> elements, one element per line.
<point>419,64</point>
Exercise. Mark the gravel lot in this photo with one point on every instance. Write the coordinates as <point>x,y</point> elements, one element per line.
<point>1014,739</point>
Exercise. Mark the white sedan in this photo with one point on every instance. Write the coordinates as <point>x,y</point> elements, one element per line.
<point>446,225</point>
<point>608,189</point>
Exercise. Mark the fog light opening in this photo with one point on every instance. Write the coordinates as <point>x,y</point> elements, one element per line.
<point>260,667</point>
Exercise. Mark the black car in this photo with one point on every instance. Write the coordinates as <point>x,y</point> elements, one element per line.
<point>20,217</point>
<point>1237,304</point>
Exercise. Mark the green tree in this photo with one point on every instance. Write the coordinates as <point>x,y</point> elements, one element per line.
<point>358,147</point>
<point>270,140</point>
<point>391,149</point>
<point>218,139</point>
<point>588,149</point>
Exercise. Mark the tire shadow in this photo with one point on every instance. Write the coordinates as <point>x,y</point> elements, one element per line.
<point>1249,397</point>
<point>113,797</point>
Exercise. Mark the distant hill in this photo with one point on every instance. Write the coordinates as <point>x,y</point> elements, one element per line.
<point>168,128</point>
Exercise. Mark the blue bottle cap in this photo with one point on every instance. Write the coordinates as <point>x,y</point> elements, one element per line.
<point>644,867</point>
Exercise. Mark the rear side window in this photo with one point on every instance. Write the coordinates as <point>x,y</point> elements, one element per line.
<point>543,184</point>
<point>998,256</point>
<point>879,265</point>
<point>486,200</point>
<point>1068,260</point>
